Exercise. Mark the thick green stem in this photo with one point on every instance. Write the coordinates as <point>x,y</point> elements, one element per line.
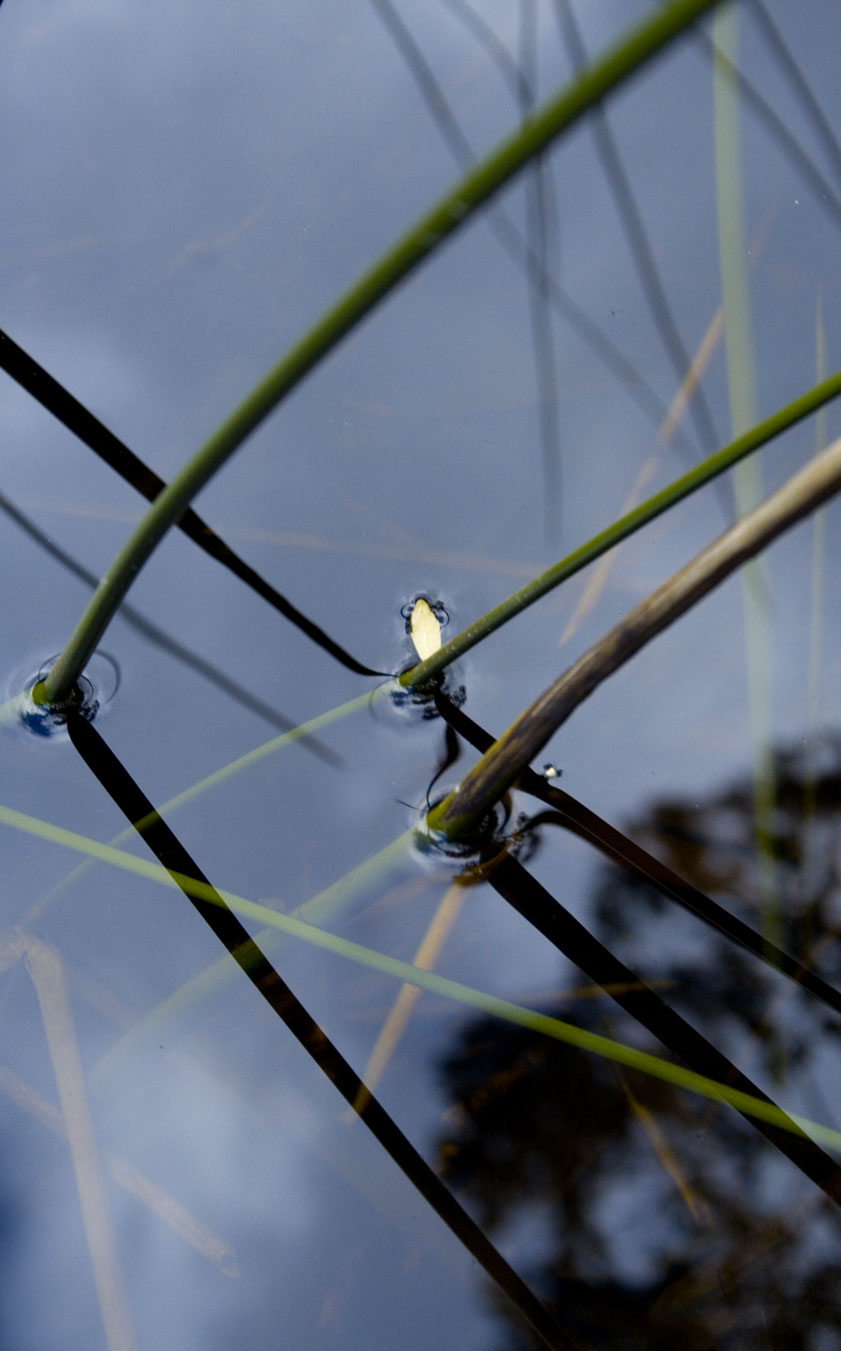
<point>474,189</point>
<point>626,525</point>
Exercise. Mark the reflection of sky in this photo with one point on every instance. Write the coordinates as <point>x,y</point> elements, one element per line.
<point>185,190</point>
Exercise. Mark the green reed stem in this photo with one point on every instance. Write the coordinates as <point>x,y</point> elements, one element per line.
<point>747,479</point>
<point>418,243</point>
<point>460,813</point>
<point>238,766</point>
<point>626,525</point>
<point>292,926</point>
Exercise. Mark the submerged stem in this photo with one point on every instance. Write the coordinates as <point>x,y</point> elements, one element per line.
<point>428,233</point>
<point>485,784</point>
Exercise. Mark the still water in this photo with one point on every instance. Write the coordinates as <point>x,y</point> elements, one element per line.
<point>186,188</point>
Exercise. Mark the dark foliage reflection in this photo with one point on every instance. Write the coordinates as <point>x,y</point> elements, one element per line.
<point>663,1219</point>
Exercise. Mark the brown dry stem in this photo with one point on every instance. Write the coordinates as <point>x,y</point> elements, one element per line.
<point>498,769</point>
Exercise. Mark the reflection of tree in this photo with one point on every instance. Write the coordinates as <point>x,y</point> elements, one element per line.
<point>666,1219</point>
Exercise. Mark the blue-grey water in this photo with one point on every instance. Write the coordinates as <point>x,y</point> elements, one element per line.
<point>186,188</point>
